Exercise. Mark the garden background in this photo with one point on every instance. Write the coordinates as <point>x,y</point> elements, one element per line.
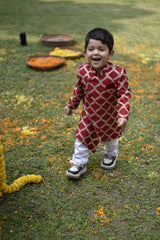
<point>38,138</point>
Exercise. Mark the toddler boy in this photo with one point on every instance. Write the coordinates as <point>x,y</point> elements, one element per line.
<point>104,89</point>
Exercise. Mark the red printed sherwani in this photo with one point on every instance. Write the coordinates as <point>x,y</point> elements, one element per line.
<point>106,97</point>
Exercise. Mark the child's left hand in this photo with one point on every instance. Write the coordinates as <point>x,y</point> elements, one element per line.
<point>122,122</point>
<point>68,110</point>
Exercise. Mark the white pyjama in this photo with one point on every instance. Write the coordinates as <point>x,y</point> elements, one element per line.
<point>81,152</point>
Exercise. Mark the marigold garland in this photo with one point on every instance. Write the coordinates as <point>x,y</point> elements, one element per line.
<point>18,183</point>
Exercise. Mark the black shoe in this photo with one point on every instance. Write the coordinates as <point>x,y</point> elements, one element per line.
<point>76,171</point>
<point>109,161</point>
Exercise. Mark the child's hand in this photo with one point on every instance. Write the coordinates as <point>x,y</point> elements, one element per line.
<point>122,122</point>
<point>68,111</point>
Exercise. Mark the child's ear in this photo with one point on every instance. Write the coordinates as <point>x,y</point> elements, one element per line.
<point>111,54</point>
<point>85,54</point>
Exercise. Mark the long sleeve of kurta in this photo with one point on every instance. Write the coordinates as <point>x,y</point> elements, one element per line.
<point>78,94</point>
<point>123,96</point>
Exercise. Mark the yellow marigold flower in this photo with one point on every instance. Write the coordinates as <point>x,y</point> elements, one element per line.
<point>64,52</point>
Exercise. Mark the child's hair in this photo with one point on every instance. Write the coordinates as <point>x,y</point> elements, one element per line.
<point>100,34</point>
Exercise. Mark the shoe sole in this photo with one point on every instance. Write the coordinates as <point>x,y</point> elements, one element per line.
<point>70,175</point>
<point>109,167</point>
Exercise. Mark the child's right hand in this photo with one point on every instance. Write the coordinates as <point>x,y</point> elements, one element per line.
<point>68,111</point>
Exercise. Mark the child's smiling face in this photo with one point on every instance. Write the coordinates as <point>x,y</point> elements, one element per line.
<point>98,54</point>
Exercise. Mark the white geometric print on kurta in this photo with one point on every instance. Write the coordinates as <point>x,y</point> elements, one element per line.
<point>106,97</point>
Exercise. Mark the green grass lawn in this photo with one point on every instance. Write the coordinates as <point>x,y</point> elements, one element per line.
<point>119,204</point>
